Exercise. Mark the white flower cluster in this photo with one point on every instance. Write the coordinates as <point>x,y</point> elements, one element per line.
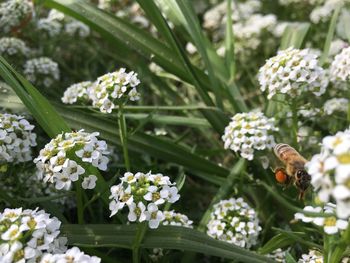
<point>143,194</point>
<point>12,46</point>
<point>293,72</point>
<point>173,219</point>
<point>330,172</point>
<point>248,132</point>
<point>176,219</point>
<point>323,13</point>
<point>57,161</point>
<point>112,87</point>
<point>248,33</point>
<point>51,26</point>
<point>13,12</point>
<point>216,16</point>
<point>335,104</point>
<point>16,139</point>
<point>77,28</point>
<point>76,92</point>
<point>71,255</point>
<point>42,71</point>
<point>278,255</point>
<point>27,234</point>
<point>312,257</point>
<point>340,67</point>
<point>331,225</point>
<point>234,221</point>
<point>305,2</point>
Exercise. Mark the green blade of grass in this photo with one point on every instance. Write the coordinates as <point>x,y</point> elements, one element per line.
<point>330,34</point>
<point>167,237</point>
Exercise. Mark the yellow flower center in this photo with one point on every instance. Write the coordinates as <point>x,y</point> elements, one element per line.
<point>330,221</point>
<point>344,158</point>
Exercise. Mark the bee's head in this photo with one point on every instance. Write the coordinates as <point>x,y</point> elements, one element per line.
<point>303,179</point>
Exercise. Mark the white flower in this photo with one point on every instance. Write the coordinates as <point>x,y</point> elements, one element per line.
<point>330,224</point>
<point>137,212</point>
<point>12,46</point>
<point>335,104</point>
<point>56,167</point>
<point>71,255</point>
<point>16,139</point>
<point>235,222</point>
<point>139,191</point>
<point>13,13</point>
<point>50,26</point>
<point>77,28</point>
<point>278,255</point>
<point>176,219</point>
<point>30,234</point>
<point>312,257</point>
<point>89,182</point>
<point>154,216</point>
<point>114,87</point>
<point>330,172</point>
<point>42,71</point>
<point>248,132</point>
<point>76,92</point>
<point>292,72</point>
<point>340,67</point>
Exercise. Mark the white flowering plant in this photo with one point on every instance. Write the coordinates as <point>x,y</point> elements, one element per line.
<point>206,95</point>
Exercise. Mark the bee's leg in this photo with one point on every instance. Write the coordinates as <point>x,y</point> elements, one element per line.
<point>301,195</point>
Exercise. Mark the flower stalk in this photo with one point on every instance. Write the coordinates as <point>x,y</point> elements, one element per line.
<point>123,136</point>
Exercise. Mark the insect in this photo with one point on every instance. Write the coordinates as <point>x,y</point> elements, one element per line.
<point>294,171</point>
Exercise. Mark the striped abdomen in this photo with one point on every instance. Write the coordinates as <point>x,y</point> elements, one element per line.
<point>289,156</point>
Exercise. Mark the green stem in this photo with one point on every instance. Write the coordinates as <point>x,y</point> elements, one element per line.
<point>340,248</point>
<point>79,197</point>
<point>141,231</point>
<point>326,248</point>
<point>294,109</point>
<point>123,136</point>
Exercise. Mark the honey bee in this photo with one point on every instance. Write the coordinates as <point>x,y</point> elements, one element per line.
<point>294,171</point>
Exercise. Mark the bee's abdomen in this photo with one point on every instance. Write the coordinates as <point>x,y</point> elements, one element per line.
<point>283,151</point>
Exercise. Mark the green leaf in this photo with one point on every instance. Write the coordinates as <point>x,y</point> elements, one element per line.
<point>223,191</point>
<point>167,237</point>
<point>146,144</point>
<point>278,241</point>
<point>171,120</point>
<point>41,109</point>
<point>330,33</point>
<point>289,258</point>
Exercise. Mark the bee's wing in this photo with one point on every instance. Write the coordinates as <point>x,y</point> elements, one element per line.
<point>286,153</point>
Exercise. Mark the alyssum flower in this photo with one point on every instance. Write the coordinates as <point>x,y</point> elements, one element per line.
<point>143,194</point>
<point>248,132</point>
<point>57,162</point>
<point>113,88</point>
<point>331,224</point>
<point>340,67</point>
<point>42,71</point>
<point>235,222</point>
<point>16,139</point>
<point>330,172</point>
<point>11,46</point>
<point>293,72</point>
<point>13,13</point>
<point>76,92</point>
<point>71,255</point>
<point>26,234</point>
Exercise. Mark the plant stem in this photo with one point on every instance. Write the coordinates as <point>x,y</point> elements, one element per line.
<point>141,231</point>
<point>79,197</point>
<point>123,136</point>
<point>294,122</point>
